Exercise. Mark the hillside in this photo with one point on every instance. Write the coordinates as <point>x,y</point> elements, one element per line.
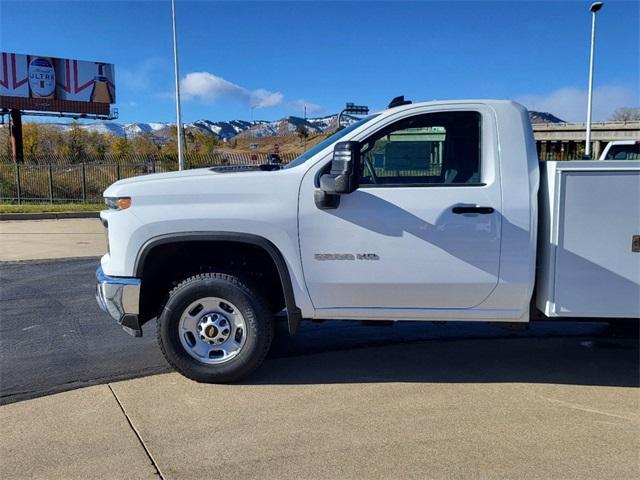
<point>242,129</point>
<point>544,117</point>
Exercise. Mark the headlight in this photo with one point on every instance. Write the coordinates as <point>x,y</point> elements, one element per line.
<point>117,203</point>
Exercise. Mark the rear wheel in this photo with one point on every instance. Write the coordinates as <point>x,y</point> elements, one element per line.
<point>214,328</point>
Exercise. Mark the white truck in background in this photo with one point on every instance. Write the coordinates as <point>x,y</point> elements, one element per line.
<point>621,150</point>
<point>427,212</point>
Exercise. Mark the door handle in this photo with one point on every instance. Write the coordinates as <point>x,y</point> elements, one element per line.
<point>480,210</point>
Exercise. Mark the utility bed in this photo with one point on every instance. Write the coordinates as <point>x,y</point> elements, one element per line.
<point>589,239</point>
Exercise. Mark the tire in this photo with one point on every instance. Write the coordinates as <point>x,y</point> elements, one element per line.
<point>199,312</point>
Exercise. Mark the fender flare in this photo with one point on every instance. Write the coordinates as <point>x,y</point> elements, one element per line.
<point>294,314</point>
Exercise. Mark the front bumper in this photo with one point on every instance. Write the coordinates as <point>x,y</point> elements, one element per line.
<point>120,298</point>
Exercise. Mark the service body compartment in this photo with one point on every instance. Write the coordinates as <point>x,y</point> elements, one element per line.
<point>589,214</point>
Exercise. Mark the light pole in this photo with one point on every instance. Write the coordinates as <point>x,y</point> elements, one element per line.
<point>177,75</point>
<point>594,8</point>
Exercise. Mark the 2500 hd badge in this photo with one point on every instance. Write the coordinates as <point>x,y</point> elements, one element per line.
<point>346,256</point>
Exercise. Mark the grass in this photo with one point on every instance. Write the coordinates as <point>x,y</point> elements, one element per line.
<point>48,207</point>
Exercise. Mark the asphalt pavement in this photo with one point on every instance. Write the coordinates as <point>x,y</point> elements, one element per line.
<point>53,337</point>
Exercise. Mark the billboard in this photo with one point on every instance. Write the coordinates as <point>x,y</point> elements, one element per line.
<point>33,82</point>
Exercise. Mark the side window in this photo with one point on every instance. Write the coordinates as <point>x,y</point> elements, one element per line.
<point>434,148</point>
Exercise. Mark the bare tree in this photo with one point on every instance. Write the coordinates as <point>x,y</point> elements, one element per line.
<point>302,131</point>
<point>626,114</point>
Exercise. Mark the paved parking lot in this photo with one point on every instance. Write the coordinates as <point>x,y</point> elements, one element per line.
<point>340,400</point>
<point>486,408</point>
<point>48,239</point>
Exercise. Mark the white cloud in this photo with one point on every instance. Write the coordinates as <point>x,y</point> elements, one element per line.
<point>208,87</point>
<point>570,103</point>
<point>300,104</point>
<point>261,98</point>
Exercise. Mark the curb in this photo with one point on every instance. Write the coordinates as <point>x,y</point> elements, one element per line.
<point>48,216</point>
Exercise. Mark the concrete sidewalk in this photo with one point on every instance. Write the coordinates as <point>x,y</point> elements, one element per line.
<point>405,411</point>
<point>48,239</point>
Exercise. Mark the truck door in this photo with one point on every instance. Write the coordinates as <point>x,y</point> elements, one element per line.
<point>423,229</point>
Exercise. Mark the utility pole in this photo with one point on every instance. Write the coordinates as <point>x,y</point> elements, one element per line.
<point>177,79</point>
<point>594,8</point>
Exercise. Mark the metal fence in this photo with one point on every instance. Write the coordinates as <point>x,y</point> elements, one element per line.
<point>57,181</point>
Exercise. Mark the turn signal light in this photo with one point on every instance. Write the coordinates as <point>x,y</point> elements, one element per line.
<point>124,202</point>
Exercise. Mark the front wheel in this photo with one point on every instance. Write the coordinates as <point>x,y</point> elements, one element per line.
<point>214,328</point>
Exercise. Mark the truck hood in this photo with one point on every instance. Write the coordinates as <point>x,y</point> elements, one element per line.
<point>203,185</point>
<point>154,177</point>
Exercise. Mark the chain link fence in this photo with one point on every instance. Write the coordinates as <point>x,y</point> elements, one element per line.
<point>56,180</point>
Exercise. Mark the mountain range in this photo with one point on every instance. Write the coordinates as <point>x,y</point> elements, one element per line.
<point>226,130</point>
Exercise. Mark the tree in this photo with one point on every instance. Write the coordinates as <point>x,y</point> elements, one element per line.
<point>120,148</point>
<point>42,142</point>
<point>76,143</point>
<point>31,142</point>
<point>626,114</point>
<point>203,143</point>
<point>302,131</point>
<point>97,144</point>
<point>5,141</point>
<point>144,145</point>
<point>170,147</point>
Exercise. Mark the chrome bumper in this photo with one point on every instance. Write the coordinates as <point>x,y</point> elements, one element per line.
<point>120,298</point>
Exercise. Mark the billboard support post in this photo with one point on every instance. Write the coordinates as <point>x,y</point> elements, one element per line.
<point>16,135</point>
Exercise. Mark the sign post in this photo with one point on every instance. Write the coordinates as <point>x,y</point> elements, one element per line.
<point>352,109</point>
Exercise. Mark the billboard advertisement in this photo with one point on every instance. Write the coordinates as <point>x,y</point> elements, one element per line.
<point>40,83</point>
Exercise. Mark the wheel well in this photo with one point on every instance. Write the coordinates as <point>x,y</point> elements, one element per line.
<point>165,265</point>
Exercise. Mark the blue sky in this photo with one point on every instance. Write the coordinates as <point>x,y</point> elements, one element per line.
<point>275,57</point>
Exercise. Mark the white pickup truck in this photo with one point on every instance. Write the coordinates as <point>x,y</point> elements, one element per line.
<point>434,211</point>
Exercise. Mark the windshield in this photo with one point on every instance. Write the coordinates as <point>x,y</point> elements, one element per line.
<point>325,143</point>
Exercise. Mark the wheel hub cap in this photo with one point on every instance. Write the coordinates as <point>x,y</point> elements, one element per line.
<point>214,328</point>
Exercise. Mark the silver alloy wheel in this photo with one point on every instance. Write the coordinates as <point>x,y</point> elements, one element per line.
<point>212,330</point>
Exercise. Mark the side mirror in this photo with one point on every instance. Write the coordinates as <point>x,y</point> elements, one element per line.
<point>343,178</point>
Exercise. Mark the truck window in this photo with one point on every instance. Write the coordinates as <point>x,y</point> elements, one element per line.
<point>435,148</point>
<point>624,152</point>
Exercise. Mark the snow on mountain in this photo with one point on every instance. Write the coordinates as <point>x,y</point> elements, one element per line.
<point>289,125</point>
<point>543,117</point>
<point>226,130</point>
<point>118,129</point>
<point>223,130</point>
<point>101,127</point>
